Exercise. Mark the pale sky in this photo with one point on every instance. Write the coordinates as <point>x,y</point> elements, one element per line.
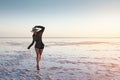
<point>62,18</point>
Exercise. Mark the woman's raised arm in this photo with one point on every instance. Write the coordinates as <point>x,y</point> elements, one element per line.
<point>40,27</point>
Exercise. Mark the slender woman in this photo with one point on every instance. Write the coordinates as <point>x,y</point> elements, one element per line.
<point>39,46</point>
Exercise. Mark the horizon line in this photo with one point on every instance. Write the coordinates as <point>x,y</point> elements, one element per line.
<point>62,37</point>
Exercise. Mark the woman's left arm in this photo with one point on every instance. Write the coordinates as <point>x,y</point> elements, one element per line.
<point>30,44</point>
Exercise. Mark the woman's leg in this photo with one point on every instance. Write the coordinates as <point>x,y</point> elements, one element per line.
<point>38,58</point>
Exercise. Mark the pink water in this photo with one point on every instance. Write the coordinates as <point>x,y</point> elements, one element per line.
<point>62,59</point>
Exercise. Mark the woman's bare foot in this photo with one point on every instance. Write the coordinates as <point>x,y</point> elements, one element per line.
<point>38,68</point>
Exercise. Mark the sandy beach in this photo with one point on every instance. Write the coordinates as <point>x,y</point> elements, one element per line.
<point>62,59</point>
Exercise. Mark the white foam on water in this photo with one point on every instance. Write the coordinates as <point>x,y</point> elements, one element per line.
<point>62,59</point>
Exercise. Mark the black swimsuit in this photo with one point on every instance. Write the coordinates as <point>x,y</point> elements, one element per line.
<point>38,39</point>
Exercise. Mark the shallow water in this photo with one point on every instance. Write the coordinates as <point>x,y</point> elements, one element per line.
<point>62,59</point>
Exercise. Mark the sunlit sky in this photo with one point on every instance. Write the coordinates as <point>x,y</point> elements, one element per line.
<point>62,18</point>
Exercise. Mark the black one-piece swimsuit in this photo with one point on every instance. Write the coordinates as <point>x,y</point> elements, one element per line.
<point>38,39</point>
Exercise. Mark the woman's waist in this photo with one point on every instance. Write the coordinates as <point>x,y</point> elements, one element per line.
<point>39,42</point>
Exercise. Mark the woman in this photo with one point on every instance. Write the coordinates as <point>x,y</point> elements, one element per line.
<point>39,46</point>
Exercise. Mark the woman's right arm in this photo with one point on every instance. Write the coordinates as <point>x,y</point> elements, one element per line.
<point>30,44</point>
